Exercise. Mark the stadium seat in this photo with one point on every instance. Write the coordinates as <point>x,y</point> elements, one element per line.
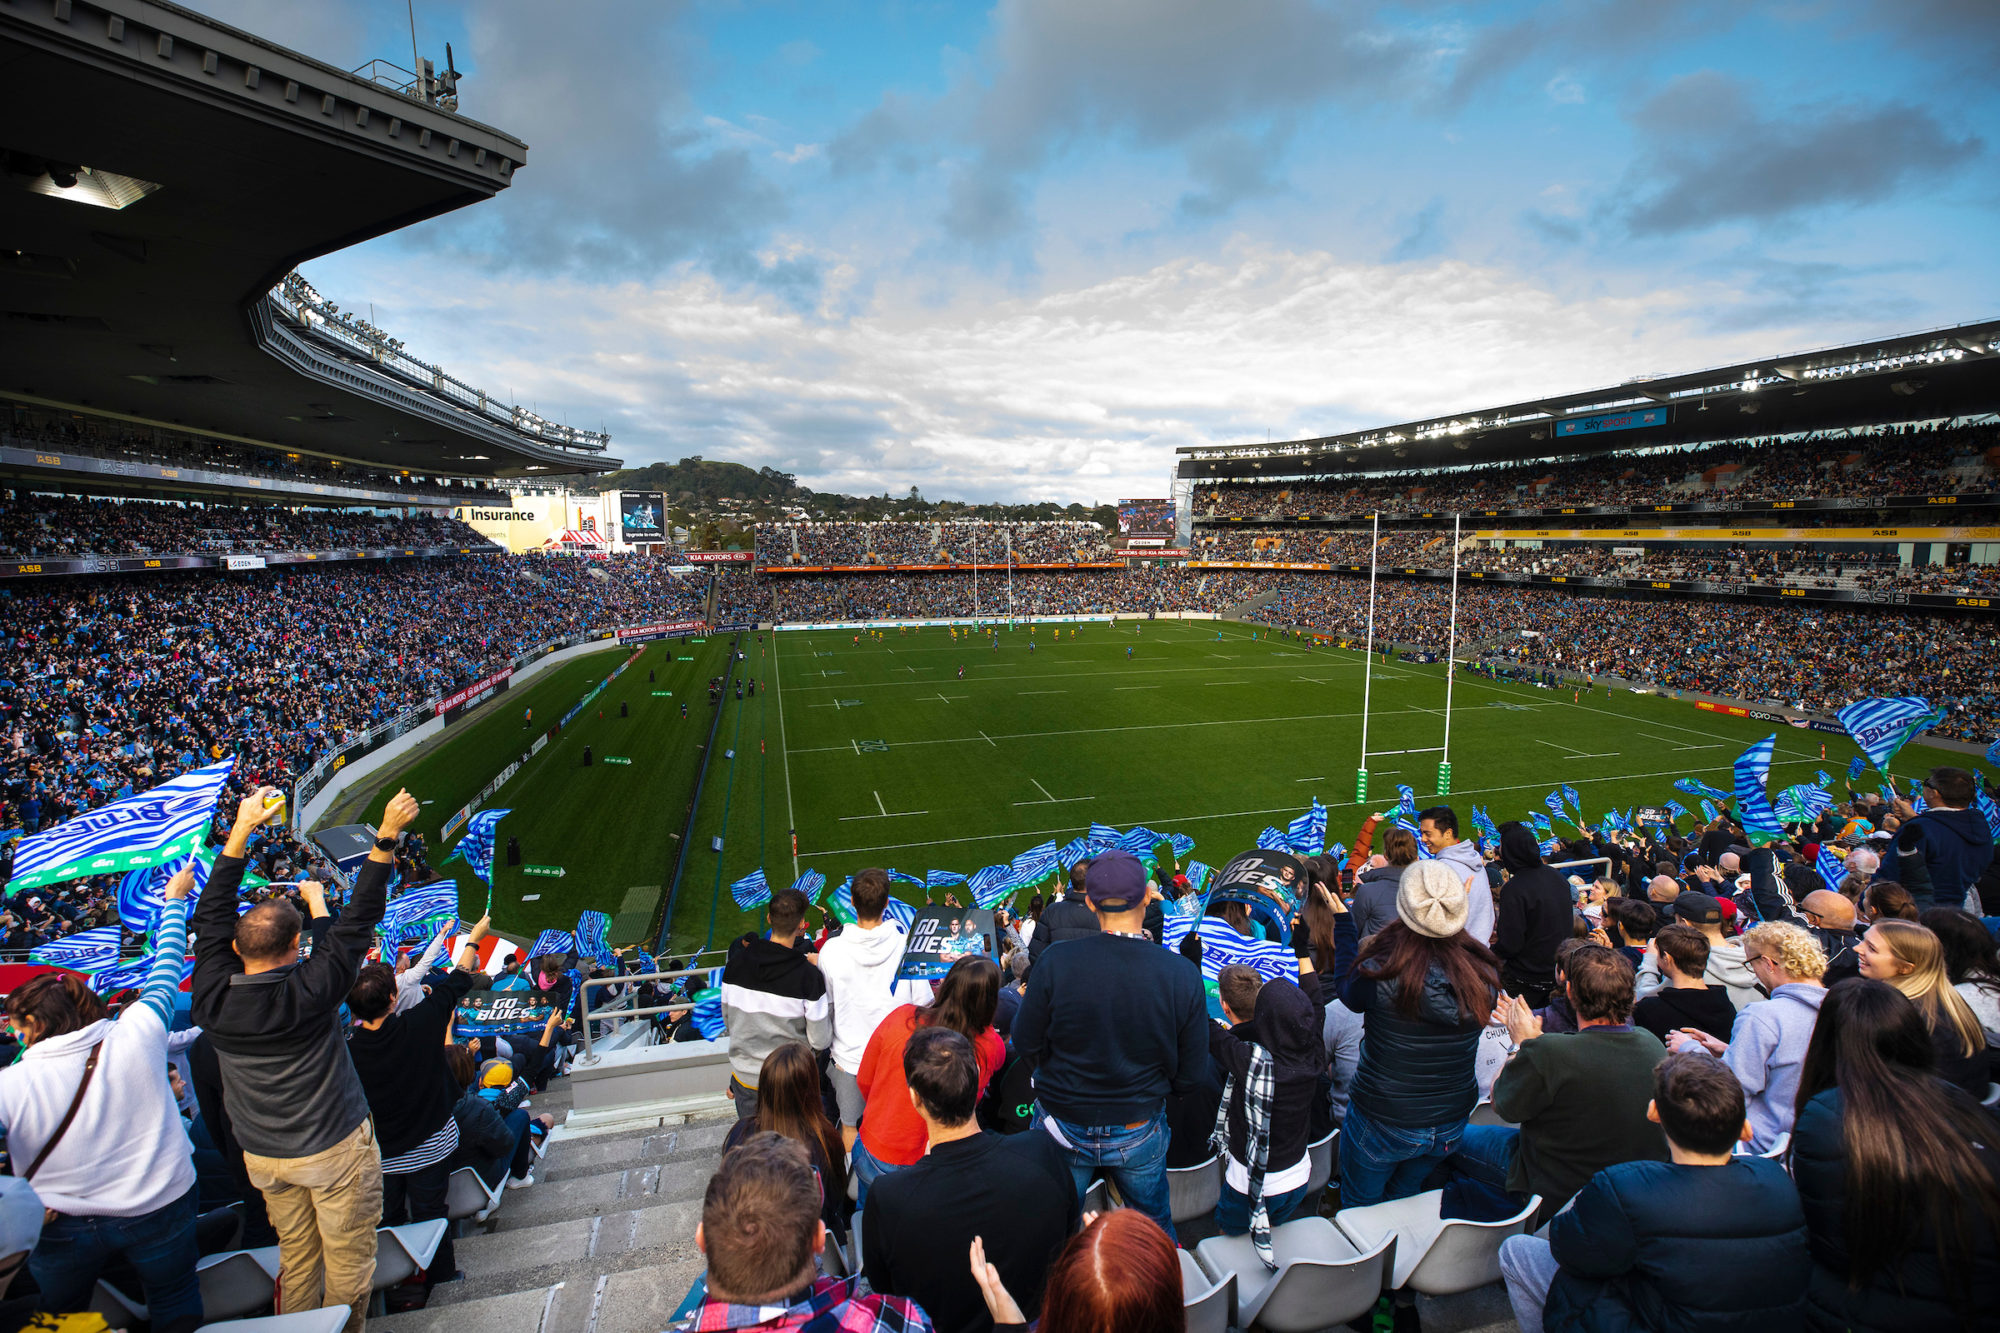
<point>405,1251</point>
<point>1434,1255</point>
<point>1192,1191</point>
<point>1322,1155</point>
<point>234,1284</point>
<point>468,1195</point>
<point>1992,1097</point>
<point>326,1319</point>
<point>1322,1278</point>
<point>1210,1305</point>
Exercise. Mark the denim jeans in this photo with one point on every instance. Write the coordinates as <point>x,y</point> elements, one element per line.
<point>1379,1162</point>
<point>1134,1160</point>
<point>1232,1210</point>
<point>867,1168</point>
<point>1487,1153</point>
<point>160,1245</point>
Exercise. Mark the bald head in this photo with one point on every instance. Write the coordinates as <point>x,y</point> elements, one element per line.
<point>1663,889</point>
<point>1834,911</point>
<point>267,935</point>
<point>1729,863</point>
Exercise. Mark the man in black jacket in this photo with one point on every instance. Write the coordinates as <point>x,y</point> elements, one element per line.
<point>1013,1191</point>
<point>1533,917</point>
<point>294,1101</point>
<point>400,1058</point>
<point>1068,918</point>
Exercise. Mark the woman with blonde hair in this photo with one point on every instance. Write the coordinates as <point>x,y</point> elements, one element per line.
<point>1910,957</point>
<point>1767,1046</point>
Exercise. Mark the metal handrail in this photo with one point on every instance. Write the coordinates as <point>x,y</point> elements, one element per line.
<point>634,978</point>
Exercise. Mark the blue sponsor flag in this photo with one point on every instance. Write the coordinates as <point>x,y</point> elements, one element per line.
<point>904,877</point>
<point>812,884</point>
<point>1993,753</point>
<point>1182,844</point>
<point>1982,800</point>
<point>991,885</point>
<point>707,1012</point>
<point>901,913</point>
<point>420,911</point>
<point>842,902</point>
<point>1753,806</point>
<point>753,890</point>
<point>1554,802</point>
<point>1221,946</point>
<point>1338,851</point>
<point>590,938</point>
<point>1276,839</point>
<point>1575,801</point>
<point>1801,803</point>
<point>1883,726</point>
<point>942,879</point>
<point>476,847</point>
<point>1141,841</point>
<point>1696,787</point>
<point>132,972</point>
<point>1858,765</point>
<point>1677,810</point>
<point>1824,778</point>
<point>1199,873</point>
<point>1708,811</point>
<point>1076,849</point>
<point>552,942</point>
<point>1103,833</point>
<point>85,951</point>
<point>1831,868</point>
<point>1406,799</point>
<point>148,828</point>
<point>1040,859</point>
<point>1308,831</point>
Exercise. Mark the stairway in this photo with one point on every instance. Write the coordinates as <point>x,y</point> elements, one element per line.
<point>603,1242</point>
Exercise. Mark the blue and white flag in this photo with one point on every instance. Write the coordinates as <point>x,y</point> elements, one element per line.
<point>1034,865</point>
<point>1677,810</point>
<point>1308,831</point>
<point>1142,842</point>
<point>476,847</point>
<point>1708,811</point>
<point>1801,803</point>
<point>418,911</point>
<point>942,879</point>
<point>1182,844</point>
<point>707,1012</point>
<point>1409,826</point>
<point>1823,778</point>
<point>1076,849</point>
<point>591,941</point>
<point>812,884</point>
<point>841,904</point>
<point>1554,802</point>
<point>1199,873</point>
<point>992,885</point>
<point>1883,726</point>
<point>1406,800</point>
<point>1857,766</point>
<point>901,913</point>
<point>146,829</point>
<point>1274,840</point>
<point>552,942</point>
<point>1575,801</point>
<point>1917,801</point>
<point>1551,848</point>
<point>85,951</point>
<point>132,972</point>
<point>1831,868</point>
<point>1221,946</point>
<point>1993,753</point>
<point>1696,787</point>
<point>1103,833</point>
<point>752,891</point>
<point>1753,805</point>
<point>904,877</point>
<point>1982,801</point>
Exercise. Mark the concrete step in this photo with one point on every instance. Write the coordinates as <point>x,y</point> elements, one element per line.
<point>568,1159</point>
<point>636,1187</point>
<point>512,1312</point>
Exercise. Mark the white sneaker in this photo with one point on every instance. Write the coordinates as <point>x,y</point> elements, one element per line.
<point>520,1182</point>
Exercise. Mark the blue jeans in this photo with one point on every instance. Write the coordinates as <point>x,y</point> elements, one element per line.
<point>160,1245</point>
<point>1232,1210</point>
<point>1487,1153</point>
<point>866,1168</point>
<point>1379,1162</point>
<point>1134,1160</point>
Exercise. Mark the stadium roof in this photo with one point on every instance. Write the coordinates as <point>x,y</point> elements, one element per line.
<point>1948,372</point>
<point>160,176</point>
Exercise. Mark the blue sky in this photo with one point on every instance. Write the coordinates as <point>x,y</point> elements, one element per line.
<point>1025,250</point>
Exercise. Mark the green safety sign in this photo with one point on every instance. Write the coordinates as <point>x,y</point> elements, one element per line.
<point>663,694</point>
<point>616,759</point>
<point>551,872</point>
<point>683,659</point>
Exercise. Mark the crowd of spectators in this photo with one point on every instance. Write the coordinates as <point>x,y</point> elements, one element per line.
<point>1895,461</point>
<point>741,597</point>
<point>958,542</point>
<point>66,526</point>
<point>1027,594</point>
<point>1739,1084</point>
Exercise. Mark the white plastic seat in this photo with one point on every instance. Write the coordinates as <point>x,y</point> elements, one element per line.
<point>468,1195</point>
<point>1193,1191</point>
<point>1210,1305</point>
<point>1992,1098</point>
<point>1434,1255</point>
<point>1323,1279</point>
<point>234,1284</point>
<point>326,1319</point>
<point>1321,1155</point>
<point>405,1251</point>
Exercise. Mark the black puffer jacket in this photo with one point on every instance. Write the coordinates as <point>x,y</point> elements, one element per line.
<point>1415,1072</point>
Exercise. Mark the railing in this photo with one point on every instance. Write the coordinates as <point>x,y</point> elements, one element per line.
<point>638,978</point>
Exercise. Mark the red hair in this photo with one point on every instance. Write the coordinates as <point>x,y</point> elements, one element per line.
<point>1119,1275</point>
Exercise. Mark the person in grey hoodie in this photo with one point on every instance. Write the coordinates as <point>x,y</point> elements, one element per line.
<point>1439,826</point>
<point>1728,965</point>
<point>1768,1044</point>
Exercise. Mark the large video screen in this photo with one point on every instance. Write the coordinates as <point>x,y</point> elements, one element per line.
<point>1146,519</point>
<point>642,516</point>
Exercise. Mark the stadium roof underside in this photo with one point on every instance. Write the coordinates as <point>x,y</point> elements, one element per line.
<point>161,173</point>
<point>1950,372</point>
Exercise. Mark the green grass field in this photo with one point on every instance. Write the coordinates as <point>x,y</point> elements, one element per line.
<point>879,754</point>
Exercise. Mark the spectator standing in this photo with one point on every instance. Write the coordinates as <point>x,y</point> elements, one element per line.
<point>761,1235</point>
<point>1727,968</point>
<point>1114,1023</point>
<point>789,1103</point>
<point>859,965</point>
<point>771,994</point>
<point>1717,1240</point>
<point>1424,989</point>
<point>1439,829</point>
<point>1768,1043</point>
<point>1942,852</point>
<point>295,1102</point>
<point>92,1124</point>
<point>1068,918</point>
<point>1534,916</point>
<point>1578,1098</point>
<point>969,1183</point>
<point>1897,1173</point>
<point>892,1134</point>
<point>1911,959</point>
<point>1687,1000</point>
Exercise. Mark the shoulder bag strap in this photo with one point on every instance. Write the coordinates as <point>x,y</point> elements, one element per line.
<point>69,1116</point>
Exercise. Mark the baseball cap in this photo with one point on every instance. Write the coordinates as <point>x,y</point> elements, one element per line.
<point>1115,882</point>
<point>1698,909</point>
<point>496,1074</point>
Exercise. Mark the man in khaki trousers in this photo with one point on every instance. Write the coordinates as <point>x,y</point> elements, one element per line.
<point>288,1085</point>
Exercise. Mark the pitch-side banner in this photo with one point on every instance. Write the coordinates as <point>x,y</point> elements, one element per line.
<point>647,633</point>
<point>453,706</point>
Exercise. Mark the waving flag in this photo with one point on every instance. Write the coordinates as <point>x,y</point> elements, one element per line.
<point>1182,844</point>
<point>146,829</point>
<point>812,884</point>
<point>1076,849</point>
<point>1883,726</point>
<point>1221,946</point>
<point>1802,803</point>
<point>1993,753</point>
<point>85,951</point>
<point>476,847</point>
<point>1708,811</point>
<point>419,911</point>
<point>552,942</point>
<point>1424,853</point>
<point>1103,833</point>
<point>1540,823</point>
<point>1035,865</point>
<point>1753,806</point>
<point>1275,840</point>
<point>141,893</point>
<point>1677,810</point>
<point>1308,831</point>
<point>942,879</point>
<point>1823,778</point>
<point>1554,802</point>
<point>1982,801</point>
<point>842,902</point>
<point>1857,766</point>
<point>901,913</point>
<point>1831,868</point>
<point>1142,842</point>
<point>1199,873</point>
<point>753,890</point>
<point>1575,801</point>
<point>132,972</point>
<point>1696,787</point>
<point>992,885</point>
<point>904,877</point>
<point>707,1012</point>
<point>1484,823</point>
<point>590,939</point>
<point>1406,799</point>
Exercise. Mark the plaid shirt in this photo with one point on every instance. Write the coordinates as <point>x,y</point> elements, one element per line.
<point>829,1306</point>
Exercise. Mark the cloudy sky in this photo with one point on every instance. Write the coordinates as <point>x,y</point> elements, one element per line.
<point>1024,250</point>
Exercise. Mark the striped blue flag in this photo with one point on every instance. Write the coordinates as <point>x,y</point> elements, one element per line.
<point>552,942</point>
<point>841,904</point>
<point>1076,849</point>
<point>904,877</point>
<point>1993,753</point>
<point>1824,778</point>
<point>419,911</point>
<point>1182,844</point>
<point>1199,873</point>
<point>1856,767</point>
<point>476,847</point>
<point>1982,801</point>
<point>812,884</point>
<point>1035,864</point>
<point>1142,842</point>
<point>1409,826</point>
<point>1708,811</point>
<point>148,828</point>
<point>1554,802</point>
<point>1308,831</point>
<point>1883,726</point>
<point>1801,803</point>
<point>901,913</point>
<point>1677,810</point>
<point>942,879</point>
<point>991,885</point>
<point>1696,787</point>
<point>1103,833</point>
<point>1221,946</point>
<point>1831,868</point>
<point>707,1012</point>
<point>591,941</point>
<point>1406,800</point>
<point>1753,805</point>
<point>1275,840</point>
<point>85,951</point>
<point>132,972</point>
<point>1575,801</point>
<point>752,891</point>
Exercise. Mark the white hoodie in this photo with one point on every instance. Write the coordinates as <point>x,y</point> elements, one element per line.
<point>860,969</point>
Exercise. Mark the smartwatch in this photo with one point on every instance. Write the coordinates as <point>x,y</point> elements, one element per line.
<point>385,844</point>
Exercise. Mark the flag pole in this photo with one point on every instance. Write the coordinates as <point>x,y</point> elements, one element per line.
<point>1368,664</point>
<point>1450,661</point>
